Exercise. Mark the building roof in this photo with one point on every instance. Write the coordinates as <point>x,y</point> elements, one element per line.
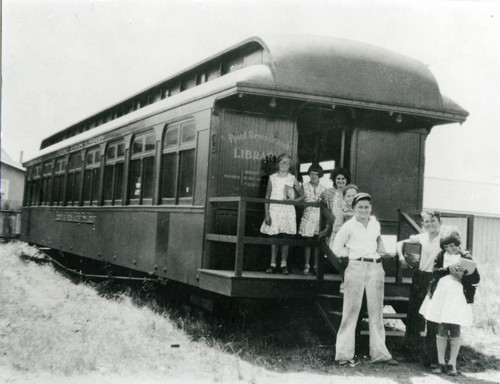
<point>6,159</point>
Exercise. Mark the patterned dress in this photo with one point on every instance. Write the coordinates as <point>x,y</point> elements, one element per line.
<point>309,225</point>
<point>283,218</point>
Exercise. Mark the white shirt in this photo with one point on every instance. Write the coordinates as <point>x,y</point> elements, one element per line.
<point>430,250</point>
<point>355,240</point>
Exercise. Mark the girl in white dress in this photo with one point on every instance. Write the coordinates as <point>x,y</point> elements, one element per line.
<point>309,225</point>
<point>280,218</point>
<point>450,299</point>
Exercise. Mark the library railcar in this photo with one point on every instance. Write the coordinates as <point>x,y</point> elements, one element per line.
<point>170,181</point>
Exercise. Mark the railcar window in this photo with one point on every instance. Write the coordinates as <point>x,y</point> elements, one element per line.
<point>74,179</point>
<point>46,183</point>
<point>58,191</point>
<point>113,173</point>
<point>142,169</point>
<point>37,174</point>
<point>91,176</point>
<point>178,163</point>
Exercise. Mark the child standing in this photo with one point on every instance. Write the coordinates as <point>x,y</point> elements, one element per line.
<point>448,303</point>
<point>280,218</point>
<point>309,225</point>
<point>343,214</point>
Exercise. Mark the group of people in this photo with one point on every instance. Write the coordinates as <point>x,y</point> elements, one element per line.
<point>442,289</point>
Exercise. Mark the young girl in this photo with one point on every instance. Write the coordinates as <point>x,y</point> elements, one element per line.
<point>448,303</point>
<point>309,225</point>
<point>280,218</point>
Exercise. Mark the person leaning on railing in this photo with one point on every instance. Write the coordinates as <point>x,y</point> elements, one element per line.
<point>422,276</point>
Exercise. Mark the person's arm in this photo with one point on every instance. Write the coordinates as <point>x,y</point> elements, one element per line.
<point>438,270</point>
<point>269,189</point>
<point>474,277</point>
<point>299,191</point>
<point>339,243</point>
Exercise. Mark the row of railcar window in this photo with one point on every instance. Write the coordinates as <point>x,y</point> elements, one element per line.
<point>73,180</point>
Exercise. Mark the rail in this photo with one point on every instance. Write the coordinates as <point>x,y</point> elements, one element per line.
<point>240,239</point>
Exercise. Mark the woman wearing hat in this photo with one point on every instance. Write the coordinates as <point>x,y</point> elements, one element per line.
<point>358,239</point>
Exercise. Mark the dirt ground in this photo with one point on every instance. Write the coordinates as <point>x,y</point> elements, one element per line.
<point>53,331</point>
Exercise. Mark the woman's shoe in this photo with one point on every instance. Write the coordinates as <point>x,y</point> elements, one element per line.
<point>315,271</point>
<point>271,270</point>
<point>306,271</point>
<point>439,370</point>
<point>284,270</point>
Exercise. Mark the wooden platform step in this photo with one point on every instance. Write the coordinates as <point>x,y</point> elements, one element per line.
<point>341,297</point>
<point>366,332</point>
<point>398,316</point>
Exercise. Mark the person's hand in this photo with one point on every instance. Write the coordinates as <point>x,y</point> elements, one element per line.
<point>324,232</point>
<point>268,220</point>
<point>403,263</point>
<point>456,271</point>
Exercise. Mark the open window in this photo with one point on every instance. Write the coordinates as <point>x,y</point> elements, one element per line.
<point>91,176</point>
<point>178,163</point>
<point>141,172</point>
<point>113,173</point>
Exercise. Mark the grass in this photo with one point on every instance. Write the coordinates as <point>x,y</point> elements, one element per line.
<point>52,322</point>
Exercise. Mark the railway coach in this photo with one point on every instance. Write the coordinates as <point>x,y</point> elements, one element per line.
<point>170,181</point>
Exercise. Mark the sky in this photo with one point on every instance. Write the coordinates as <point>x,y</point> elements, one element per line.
<point>64,60</point>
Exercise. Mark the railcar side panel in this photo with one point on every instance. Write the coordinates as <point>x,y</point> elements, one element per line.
<point>389,164</point>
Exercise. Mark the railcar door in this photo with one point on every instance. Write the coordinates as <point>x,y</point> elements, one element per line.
<point>389,164</point>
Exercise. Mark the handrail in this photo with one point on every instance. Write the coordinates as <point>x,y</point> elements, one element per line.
<point>407,218</point>
<point>240,239</point>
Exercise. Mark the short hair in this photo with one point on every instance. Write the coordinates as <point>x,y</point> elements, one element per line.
<point>350,186</point>
<point>431,213</point>
<point>283,156</point>
<point>361,196</point>
<point>315,167</point>
<point>340,171</point>
<point>451,237</point>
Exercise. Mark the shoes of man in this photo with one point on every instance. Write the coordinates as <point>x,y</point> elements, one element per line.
<point>347,362</point>
<point>452,370</point>
<point>439,370</point>
<point>284,270</point>
<point>388,362</point>
<point>271,270</point>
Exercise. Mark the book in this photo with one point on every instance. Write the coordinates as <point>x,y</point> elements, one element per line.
<point>412,253</point>
<point>469,266</point>
<point>289,193</point>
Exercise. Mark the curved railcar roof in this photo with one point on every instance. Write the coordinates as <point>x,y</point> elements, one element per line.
<point>340,70</point>
<point>356,71</point>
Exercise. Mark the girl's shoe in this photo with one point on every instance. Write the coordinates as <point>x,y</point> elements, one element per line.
<point>284,270</point>
<point>315,271</point>
<point>271,270</point>
<point>439,370</point>
<point>306,271</point>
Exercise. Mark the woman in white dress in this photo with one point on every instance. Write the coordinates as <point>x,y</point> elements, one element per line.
<point>280,218</point>
<point>450,299</point>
